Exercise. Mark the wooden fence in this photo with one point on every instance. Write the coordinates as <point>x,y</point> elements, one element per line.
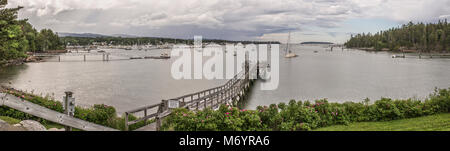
<point>45,113</point>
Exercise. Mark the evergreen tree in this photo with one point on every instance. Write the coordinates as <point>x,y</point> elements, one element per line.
<point>420,36</point>
<point>13,43</point>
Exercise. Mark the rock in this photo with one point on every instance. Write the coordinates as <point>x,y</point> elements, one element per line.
<point>3,124</point>
<point>6,127</point>
<point>17,125</point>
<point>56,129</point>
<point>32,59</point>
<point>31,125</point>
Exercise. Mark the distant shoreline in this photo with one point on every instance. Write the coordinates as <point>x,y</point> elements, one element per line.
<point>400,51</point>
<point>316,43</point>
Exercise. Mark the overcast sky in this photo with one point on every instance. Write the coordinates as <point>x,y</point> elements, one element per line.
<point>308,20</point>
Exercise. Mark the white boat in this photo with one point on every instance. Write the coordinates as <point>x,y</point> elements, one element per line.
<point>263,69</point>
<point>289,53</point>
<point>398,56</point>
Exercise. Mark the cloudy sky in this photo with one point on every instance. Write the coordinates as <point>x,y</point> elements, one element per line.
<point>308,20</point>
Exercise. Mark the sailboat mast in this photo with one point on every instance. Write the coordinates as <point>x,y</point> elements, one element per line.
<point>287,47</point>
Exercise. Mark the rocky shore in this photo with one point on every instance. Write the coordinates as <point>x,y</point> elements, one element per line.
<point>26,125</point>
<point>19,61</point>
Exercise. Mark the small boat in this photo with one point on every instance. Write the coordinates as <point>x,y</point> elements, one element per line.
<point>291,55</point>
<point>263,69</point>
<point>316,51</point>
<point>101,51</point>
<point>398,56</point>
<point>136,58</point>
<point>162,56</point>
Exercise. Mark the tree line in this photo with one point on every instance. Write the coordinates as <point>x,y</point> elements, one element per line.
<point>420,37</point>
<point>127,41</point>
<point>17,36</point>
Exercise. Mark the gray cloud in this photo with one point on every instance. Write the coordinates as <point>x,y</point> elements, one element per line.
<point>224,19</point>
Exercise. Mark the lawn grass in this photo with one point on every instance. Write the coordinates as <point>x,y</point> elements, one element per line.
<point>9,120</point>
<point>439,122</point>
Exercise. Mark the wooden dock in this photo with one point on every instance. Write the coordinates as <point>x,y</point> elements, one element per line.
<point>60,57</point>
<point>230,93</point>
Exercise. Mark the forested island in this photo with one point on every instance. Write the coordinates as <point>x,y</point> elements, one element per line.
<point>420,37</point>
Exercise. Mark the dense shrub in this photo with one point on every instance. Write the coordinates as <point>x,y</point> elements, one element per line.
<point>305,115</point>
<point>99,114</point>
<point>226,118</point>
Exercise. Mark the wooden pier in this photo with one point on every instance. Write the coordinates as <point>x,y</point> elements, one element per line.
<point>83,57</point>
<point>230,93</point>
<point>105,56</point>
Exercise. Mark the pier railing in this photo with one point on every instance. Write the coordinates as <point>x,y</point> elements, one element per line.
<point>233,90</point>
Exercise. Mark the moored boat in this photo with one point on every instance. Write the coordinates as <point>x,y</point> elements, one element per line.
<point>162,56</point>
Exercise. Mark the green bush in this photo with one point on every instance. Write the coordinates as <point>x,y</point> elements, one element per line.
<point>99,114</point>
<point>300,116</point>
<point>385,110</point>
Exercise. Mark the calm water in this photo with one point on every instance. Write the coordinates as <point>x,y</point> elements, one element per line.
<point>352,75</point>
<point>348,75</point>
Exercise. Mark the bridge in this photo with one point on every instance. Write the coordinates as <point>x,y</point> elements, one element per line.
<point>231,92</point>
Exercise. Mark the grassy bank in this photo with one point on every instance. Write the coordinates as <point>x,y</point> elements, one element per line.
<point>439,122</point>
<point>9,120</point>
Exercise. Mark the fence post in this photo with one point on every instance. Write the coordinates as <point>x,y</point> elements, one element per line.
<point>145,115</point>
<point>158,119</point>
<point>197,105</point>
<point>69,107</point>
<point>126,121</point>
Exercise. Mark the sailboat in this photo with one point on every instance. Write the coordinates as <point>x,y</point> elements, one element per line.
<point>289,53</point>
